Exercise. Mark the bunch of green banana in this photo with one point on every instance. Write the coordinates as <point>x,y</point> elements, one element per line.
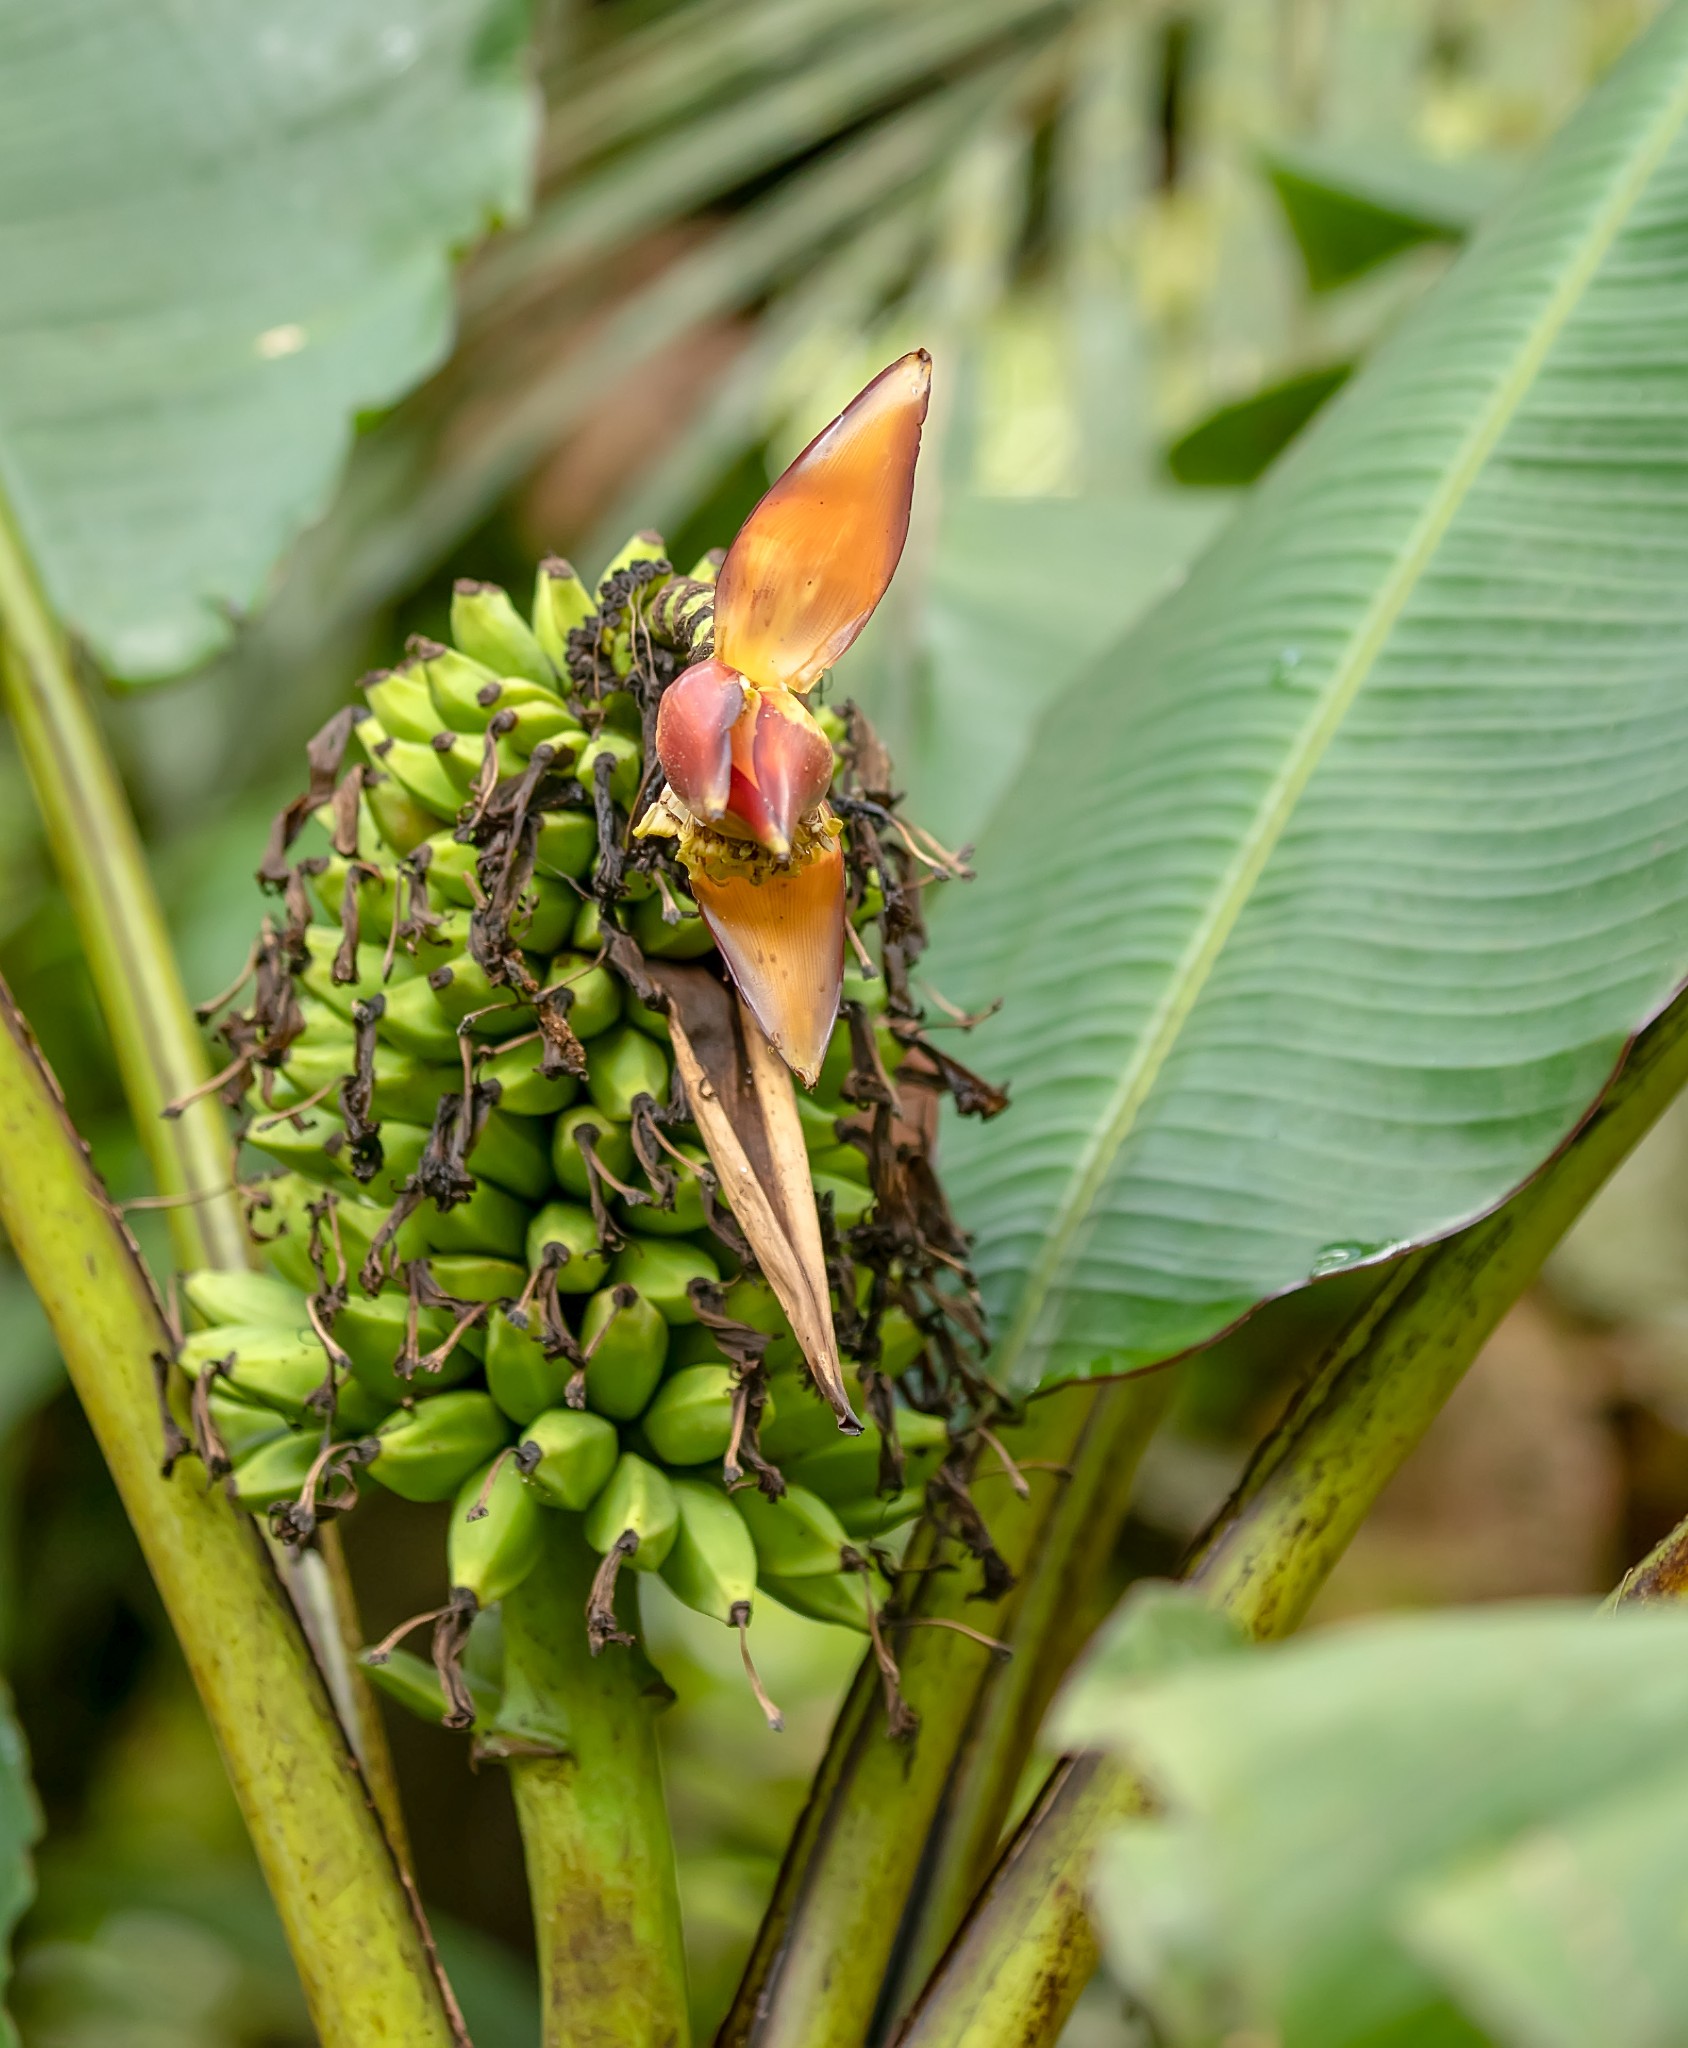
<point>500,1272</point>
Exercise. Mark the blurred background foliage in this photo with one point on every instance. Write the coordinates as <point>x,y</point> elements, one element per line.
<point>1144,242</point>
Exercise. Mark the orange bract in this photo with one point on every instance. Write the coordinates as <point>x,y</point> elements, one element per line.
<point>782,937</point>
<point>815,556</point>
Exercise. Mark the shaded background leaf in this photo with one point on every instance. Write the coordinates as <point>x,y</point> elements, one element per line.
<point>1242,440</point>
<point>1434,1829</point>
<point>225,233</point>
<point>1351,208</point>
<point>20,1822</point>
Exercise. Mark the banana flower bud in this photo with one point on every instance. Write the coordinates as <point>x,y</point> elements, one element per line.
<point>747,765</point>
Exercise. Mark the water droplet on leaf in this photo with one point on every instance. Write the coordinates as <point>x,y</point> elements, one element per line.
<point>1332,1258</point>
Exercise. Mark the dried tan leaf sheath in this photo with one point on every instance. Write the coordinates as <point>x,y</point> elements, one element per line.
<point>746,1112</point>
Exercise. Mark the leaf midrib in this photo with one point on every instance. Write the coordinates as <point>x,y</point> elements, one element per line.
<point>1348,676</point>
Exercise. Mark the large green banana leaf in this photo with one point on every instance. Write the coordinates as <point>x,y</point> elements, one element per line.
<point>1324,905</point>
<point>224,231</point>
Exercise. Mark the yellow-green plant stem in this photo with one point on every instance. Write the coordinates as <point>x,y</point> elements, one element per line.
<point>1661,1575</point>
<point>600,1855</point>
<point>818,1970</point>
<point>98,855</point>
<point>160,1052</point>
<point>356,1935</point>
<point>1025,1952</point>
<point>1058,1608</point>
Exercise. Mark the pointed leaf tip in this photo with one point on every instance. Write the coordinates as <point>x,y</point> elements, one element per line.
<point>815,557</point>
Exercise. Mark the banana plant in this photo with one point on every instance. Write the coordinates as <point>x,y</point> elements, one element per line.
<point>1335,915</point>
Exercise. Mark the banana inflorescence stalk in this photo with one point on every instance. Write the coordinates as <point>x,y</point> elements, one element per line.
<point>549,1230</point>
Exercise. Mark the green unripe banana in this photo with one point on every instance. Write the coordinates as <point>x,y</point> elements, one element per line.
<point>690,1422</point>
<point>652,1022</point>
<point>466,696</point>
<point>275,1366</point>
<point>217,1297</point>
<point>461,758</point>
<point>755,1303</point>
<point>474,1277</point>
<point>627,758</point>
<point>867,989</point>
<point>626,1341</point>
<point>874,1518</point>
<point>451,861</point>
<point>545,915</point>
<point>689,939</point>
<point>626,1064</point>
<point>322,943</point>
<point>589,927</point>
<point>414,1022</point>
<point>374,894</point>
<point>561,602</point>
<point>610,1143</point>
<point>495,1533</point>
<point>850,1199</point>
<point>551,724</point>
<point>400,699</point>
<point>461,987</point>
<point>412,1682</point>
<point>637,1498</point>
<point>820,1124</point>
<point>519,1376</point>
<point>371,1332</point>
<point>567,846</point>
<point>577,1454</point>
<point>275,1471</point>
<point>847,1468</point>
<point>837,1597</point>
<point>839,1162</point>
<point>572,1227</point>
<point>643,546</point>
<point>489,1221</point>
<point>523,1089</point>
<point>803,1425</point>
<point>901,1341</point>
<point>428,1451</point>
<point>488,628</point>
<point>796,1537</point>
<point>406,1088</point>
<point>455,681</point>
<point>418,770</point>
<point>403,822</point>
<point>243,1425</point>
<point>358,1410</point>
<point>694,1344</point>
<point>711,1564</point>
<point>595,991</point>
<point>687,1215</point>
<point>284,1226</point>
<point>662,1272</point>
<point>514,1152</point>
<point>313,1142</point>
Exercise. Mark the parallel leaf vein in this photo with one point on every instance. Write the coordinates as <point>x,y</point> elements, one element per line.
<point>1213,928</point>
